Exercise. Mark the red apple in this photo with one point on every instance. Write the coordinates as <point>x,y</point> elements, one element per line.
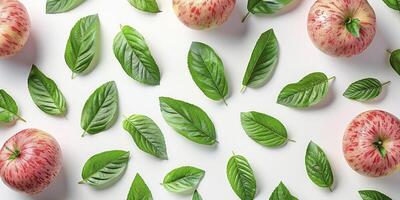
<point>14,27</point>
<point>371,143</point>
<point>30,161</point>
<point>341,27</point>
<point>203,14</point>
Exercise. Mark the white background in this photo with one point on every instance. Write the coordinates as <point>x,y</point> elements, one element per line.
<point>169,42</point>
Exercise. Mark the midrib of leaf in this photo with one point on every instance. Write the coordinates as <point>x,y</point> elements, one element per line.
<point>270,129</point>
<point>142,136</point>
<point>97,111</point>
<point>242,179</point>
<point>213,82</point>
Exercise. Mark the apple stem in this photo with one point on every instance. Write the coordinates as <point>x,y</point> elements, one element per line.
<point>243,89</point>
<point>245,17</point>
<point>385,83</point>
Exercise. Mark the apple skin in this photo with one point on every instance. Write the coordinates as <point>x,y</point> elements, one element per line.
<point>327,29</point>
<point>360,140</point>
<point>14,27</point>
<point>36,165</point>
<point>203,14</point>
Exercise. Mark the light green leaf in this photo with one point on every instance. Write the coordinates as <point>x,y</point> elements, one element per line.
<point>188,120</point>
<point>309,91</point>
<point>353,26</point>
<point>263,61</point>
<point>196,196</point>
<point>373,195</point>
<point>147,135</point>
<point>150,6</point>
<point>60,6</point>
<point>207,71</point>
<point>318,167</point>
<point>82,50</point>
<point>241,177</point>
<point>395,60</point>
<point>105,168</point>
<point>281,193</point>
<point>8,108</point>
<point>45,93</point>
<point>101,109</point>
<point>265,6</point>
<point>139,190</point>
<point>394,4</point>
<point>134,56</point>
<point>183,179</point>
<point>364,90</point>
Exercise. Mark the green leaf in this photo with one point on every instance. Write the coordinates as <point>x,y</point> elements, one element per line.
<point>265,7</point>
<point>263,60</point>
<point>395,60</point>
<point>83,45</point>
<point>207,71</point>
<point>241,177</point>
<point>264,129</point>
<point>60,6</point>
<point>101,109</point>
<point>196,196</point>
<point>45,93</point>
<point>150,6</point>
<point>394,4</point>
<point>373,195</point>
<point>281,193</point>
<point>183,179</point>
<point>139,190</point>
<point>365,89</point>
<point>353,26</point>
<point>8,108</point>
<point>318,167</point>
<point>188,120</point>
<point>309,91</point>
<point>105,168</point>
<point>147,135</point>
<point>134,56</point>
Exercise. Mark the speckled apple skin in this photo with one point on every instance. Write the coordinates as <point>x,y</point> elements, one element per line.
<point>327,30</point>
<point>359,150</point>
<point>38,164</point>
<point>203,14</point>
<point>14,27</point>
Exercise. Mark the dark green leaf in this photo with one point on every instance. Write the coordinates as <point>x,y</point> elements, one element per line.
<point>105,168</point>
<point>373,195</point>
<point>196,196</point>
<point>265,7</point>
<point>241,177</point>
<point>60,6</point>
<point>83,44</point>
<point>394,4</point>
<point>45,93</point>
<point>309,91</point>
<point>101,109</point>
<point>188,120</point>
<point>263,60</point>
<point>134,56</point>
<point>353,26</point>
<point>207,71</point>
<point>147,135</point>
<point>8,108</point>
<point>395,60</point>
<point>183,179</point>
<point>150,6</point>
<point>365,89</point>
<point>139,190</point>
<point>281,193</point>
<point>318,167</point>
<point>264,129</point>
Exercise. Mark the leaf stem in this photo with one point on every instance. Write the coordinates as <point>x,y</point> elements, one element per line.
<point>330,188</point>
<point>81,182</point>
<point>245,17</point>
<point>389,51</point>
<point>83,134</point>
<point>224,100</point>
<point>243,89</point>
<point>73,75</point>
<point>20,118</point>
<point>332,78</point>
<point>290,140</point>
<point>385,83</point>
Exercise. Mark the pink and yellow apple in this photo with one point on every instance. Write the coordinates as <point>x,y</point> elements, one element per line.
<point>341,28</point>
<point>371,143</point>
<point>30,161</point>
<point>203,14</point>
<point>14,27</point>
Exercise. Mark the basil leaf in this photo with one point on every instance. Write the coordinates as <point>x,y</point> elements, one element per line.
<point>263,61</point>
<point>365,89</point>
<point>83,45</point>
<point>134,56</point>
<point>207,71</point>
<point>318,167</point>
<point>101,109</point>
<point>183,179</point>
<point>395,60</point>
<point>147,135</point>
<point>309,91</point>
<point>394,4</point>
<point>188,120</point>
<point>241,177</point>
<point>373,195</point>
<point>45,93</point>
<point>265,7</point>
<point>139,190</point>
<point>196,196</point>
<point>8,108</point>
<point>105,168</point>
<point>60,6</point>
<point>281,193</point>
<point>264,129</point>
<point>150,6</point>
